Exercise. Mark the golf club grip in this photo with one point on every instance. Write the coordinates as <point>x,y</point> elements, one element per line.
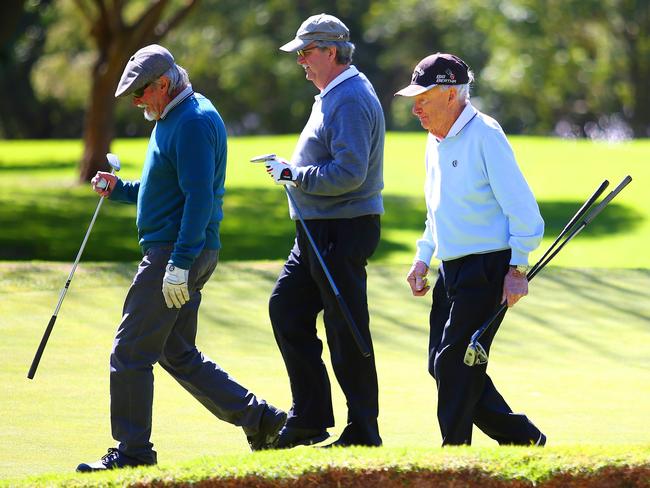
<point>41,348</point>
<point>361,343</point>
<point>583,210</point>
<point>592,215</point>
<point>578,215</point>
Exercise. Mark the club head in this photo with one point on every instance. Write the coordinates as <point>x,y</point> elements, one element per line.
<point>114,161</point>
<point>475,354</point>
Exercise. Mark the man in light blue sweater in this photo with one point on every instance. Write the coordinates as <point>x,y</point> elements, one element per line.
<point>482,223</point>
<point>179,208</point>
<point>335,178</point>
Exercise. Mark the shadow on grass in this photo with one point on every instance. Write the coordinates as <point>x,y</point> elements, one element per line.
<point>40,166</point>
<point>614,219</point>
<point>49,224</point>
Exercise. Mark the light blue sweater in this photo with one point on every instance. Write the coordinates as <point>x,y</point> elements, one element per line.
<point>339,156</point>
<point>179,197</point>
<point>477,198</point>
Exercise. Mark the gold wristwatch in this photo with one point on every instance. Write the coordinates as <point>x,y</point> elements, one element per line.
<point>520,268</point>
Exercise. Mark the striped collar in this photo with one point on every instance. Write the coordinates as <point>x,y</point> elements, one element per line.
<point>177,100</point>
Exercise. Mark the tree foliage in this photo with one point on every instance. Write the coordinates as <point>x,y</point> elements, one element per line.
<point>117,31</point>
<point>569,67</point>
<point>23,28</point>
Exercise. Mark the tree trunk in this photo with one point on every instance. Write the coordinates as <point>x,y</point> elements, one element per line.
<point>116,42</point>
<point>98,125</point>
<point>640,79</point>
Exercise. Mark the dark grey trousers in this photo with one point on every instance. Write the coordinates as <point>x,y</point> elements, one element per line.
<point>149,333</point>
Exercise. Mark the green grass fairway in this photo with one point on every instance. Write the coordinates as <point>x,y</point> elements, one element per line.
<point>572,355</point>
<point>44,213</point>
<point>387,467</point>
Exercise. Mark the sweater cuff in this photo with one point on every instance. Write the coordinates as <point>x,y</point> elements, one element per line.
<point>118,192</point>
<point>424,254</point>
<point>518,258</point>
<point>299,172</point>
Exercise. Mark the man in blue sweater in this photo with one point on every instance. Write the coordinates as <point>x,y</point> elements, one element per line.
<point>482,222</point>
<point>335,177</point>
<point>179,208</point>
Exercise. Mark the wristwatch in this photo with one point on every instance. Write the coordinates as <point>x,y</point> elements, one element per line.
<point>520,268</point>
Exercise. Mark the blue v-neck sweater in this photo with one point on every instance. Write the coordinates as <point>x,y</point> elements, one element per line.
<point>180,194</point>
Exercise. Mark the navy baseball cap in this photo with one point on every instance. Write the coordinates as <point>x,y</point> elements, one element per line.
<point>436,69</point>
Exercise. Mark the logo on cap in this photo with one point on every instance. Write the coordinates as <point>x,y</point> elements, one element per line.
<point>416,74</point>
<point>447,77</point>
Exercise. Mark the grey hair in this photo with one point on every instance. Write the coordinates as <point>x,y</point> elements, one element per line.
<point>344,50</point>
<point>462,90</point>
<point>178,78</point>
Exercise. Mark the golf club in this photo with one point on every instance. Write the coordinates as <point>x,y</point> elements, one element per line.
<point>475,353</point>
<point>114,163</point>
<point>347,315</point>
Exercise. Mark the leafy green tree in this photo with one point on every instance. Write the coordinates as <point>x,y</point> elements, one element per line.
<point>22,38</point>
<point>542,66</point>
<point>567,65</point>
<point>117,29</point>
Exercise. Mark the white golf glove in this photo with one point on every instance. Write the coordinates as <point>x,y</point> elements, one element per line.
<point>174,286</point>
<point>281,172</point>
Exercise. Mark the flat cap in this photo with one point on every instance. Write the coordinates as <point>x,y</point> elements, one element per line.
<point>145,66</point>
<point>321,27</point>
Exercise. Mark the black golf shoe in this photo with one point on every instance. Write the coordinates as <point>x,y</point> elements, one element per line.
<point>294,436</point>
<point>345,443</point>
<point>273,420</point>
<point>113,459</point>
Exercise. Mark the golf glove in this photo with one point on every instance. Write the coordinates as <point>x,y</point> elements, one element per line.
<point>174,286</point>
<point>281,172</point>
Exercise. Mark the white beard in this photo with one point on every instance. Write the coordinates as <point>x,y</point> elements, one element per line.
<point>149,115</point>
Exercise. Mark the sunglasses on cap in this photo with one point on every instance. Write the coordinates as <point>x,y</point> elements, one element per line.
<point>140,91</point>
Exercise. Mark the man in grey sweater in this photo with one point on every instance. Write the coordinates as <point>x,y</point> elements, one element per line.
<point>335,178</point>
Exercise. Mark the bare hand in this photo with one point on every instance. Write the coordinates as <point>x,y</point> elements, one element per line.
<point>103,178</point>
<point>515,286</point>
<point>417,279</point>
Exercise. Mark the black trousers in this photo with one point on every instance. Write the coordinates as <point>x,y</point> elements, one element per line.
<point>468,292</point>
<point>300,293</point>
<point>149,333</point>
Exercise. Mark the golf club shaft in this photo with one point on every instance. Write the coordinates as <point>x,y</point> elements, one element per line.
<point>578,215</point>
<point>361,343</point>
<point>591,216</point>
<point>64,290</point>
<point>551,252</point>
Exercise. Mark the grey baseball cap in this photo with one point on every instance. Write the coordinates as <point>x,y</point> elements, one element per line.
<point>145,66</point>
<point>322,27</point>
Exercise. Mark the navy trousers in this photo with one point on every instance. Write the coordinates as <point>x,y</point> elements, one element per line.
<point>468,292</point>
<point>149,333</point>
<point>300,293</point>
